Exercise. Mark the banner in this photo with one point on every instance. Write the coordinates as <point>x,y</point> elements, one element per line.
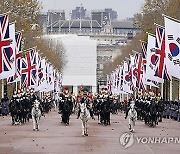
<point>172,41</point>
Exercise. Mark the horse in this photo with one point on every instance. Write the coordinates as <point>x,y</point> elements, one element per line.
<point>153,114</point>
<point>36,114</point>
<point>84,116</point>
<point>132,117</point>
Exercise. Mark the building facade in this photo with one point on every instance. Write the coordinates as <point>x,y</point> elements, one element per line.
<point>81,57</point>
<point>78,13</point>
<point>110,35</point>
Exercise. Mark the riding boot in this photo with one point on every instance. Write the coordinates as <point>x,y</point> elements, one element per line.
<point>78,114</point>
<point>91,114</point>
<point>126,113</point>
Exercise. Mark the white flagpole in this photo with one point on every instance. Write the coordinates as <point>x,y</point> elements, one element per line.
<point>16,85</point>
<point>170,90</point>
<point>2,88</point>
<point>162,90</point>
<point>127,96</point>
<point>123,97</point>
<point>135,94</point>
<point>20,82</point>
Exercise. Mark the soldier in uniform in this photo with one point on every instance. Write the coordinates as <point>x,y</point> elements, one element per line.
<point>178,112</point>
<point>86,99</point>
<point>175,110</point>
<point>13,108</point>
<point>5,105</point>
<point>104,107</point>
<point>65,106</point>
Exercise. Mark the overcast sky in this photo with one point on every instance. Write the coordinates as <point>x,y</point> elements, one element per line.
<point>124,8</point>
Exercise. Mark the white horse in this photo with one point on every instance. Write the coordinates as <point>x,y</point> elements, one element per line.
<point>36,114</point>
<point>84,116</point>
<point>132,117</point>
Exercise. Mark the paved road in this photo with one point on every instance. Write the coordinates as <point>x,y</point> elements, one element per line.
<point>55,137</point>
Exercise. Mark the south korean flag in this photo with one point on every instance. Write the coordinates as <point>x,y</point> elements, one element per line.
<point>172,46</point>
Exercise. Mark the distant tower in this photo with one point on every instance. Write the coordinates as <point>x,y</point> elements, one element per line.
<point>113,14</point>
<point>55,15</point>
<point>78,13</point>
<point>102,17</point>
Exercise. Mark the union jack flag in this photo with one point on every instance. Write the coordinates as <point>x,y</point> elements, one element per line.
<point>29,69</point>
<point>161,70</point>
<point>18,49</point>
<point>138,71</point>
<point>144,53</point>
<point>7,54</point>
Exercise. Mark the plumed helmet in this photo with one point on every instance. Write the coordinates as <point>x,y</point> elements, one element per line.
<point>66,88</point>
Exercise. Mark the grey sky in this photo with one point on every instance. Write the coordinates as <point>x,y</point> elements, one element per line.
<point>125,8</point>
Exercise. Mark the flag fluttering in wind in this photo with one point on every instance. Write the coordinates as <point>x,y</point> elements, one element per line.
<point>172,43</point>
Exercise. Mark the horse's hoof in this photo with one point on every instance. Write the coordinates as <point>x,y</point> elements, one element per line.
<point>83,135</point>
<point>86,134</point>
<point>33,129</point>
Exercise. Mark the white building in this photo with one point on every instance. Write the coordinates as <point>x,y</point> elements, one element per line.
<point>81,57</point>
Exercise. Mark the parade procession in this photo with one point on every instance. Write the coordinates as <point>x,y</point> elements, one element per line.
<point>84,83</point>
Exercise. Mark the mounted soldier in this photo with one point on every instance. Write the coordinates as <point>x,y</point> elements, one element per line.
<point>86,99</point>
<point>65,106</point>
<point>104,107</point>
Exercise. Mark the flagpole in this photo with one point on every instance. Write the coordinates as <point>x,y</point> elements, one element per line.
<point>127,96</point>
<point>20,84</point>
<point>162,90</point>
<point>16,85</point>
<point>170,90</point>
<point>2,88</point>
<point>135,94</point>
<point>120,97</point>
